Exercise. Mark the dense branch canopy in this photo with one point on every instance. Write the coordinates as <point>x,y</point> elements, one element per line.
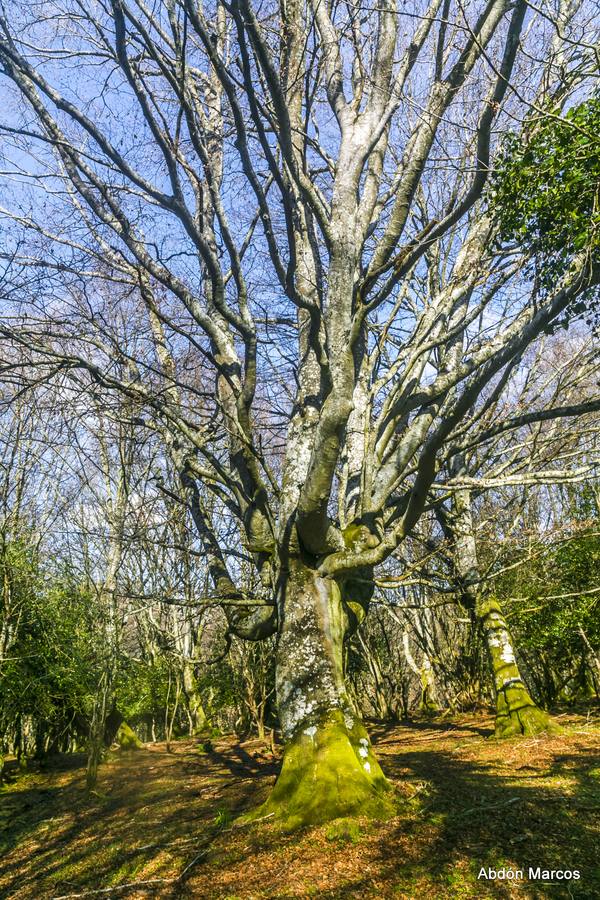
<point>269,228</point>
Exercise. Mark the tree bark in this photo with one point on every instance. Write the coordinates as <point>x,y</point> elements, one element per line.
<point>329,769</point>
<point>193,699</point>
<point>516,711</point>
<point>127,739</point>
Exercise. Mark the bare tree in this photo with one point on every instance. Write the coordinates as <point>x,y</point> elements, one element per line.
<point>256,189</point>
<point>559,370</point>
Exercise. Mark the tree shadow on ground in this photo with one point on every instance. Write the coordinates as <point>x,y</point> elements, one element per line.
<point>476,804</point>
<point>241,763</point>
<point>61,839</point>
<point>481,804</point>
<point>380,730</point>
<point>473,815</point>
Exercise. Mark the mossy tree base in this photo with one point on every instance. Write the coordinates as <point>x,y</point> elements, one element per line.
<point>517,714</point>
<point>329,772</point>
<point>428,707</point>
<point>525,721</point>
<point>127,739</point>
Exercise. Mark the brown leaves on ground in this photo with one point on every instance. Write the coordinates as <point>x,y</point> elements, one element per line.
<point>164,823</point>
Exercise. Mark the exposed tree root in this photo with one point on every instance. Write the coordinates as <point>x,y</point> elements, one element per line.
<point>523,717</point>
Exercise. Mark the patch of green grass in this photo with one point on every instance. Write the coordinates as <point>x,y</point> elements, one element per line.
<point>127,870</point>
<point>460,883</point>
<point>223,818</point>
<point>437,818</point>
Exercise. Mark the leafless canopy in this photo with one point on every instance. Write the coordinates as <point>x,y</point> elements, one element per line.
<point>266,226</point>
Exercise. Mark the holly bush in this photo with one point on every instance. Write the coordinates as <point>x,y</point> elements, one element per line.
<point>545,192</point>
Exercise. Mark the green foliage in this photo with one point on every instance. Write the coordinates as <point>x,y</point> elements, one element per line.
<point>141,687</point>
<point>51,670</point>
<point>56,656</point>
<point>223,818</point>
<point>554,623</point>
<point>553,601</point>
<point>546,191</point>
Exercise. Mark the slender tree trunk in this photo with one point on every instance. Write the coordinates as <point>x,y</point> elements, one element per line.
<point>593,657</point>
<point>428,691</point>
<point>329,769</point>
<point>425,675</point>
<point>379,700</point>
<point>195,709</point>
<point>516,711</point>
<point>116,513</point>
<point>40,740</point>
<point>260,722</point>
<point>95,742</point>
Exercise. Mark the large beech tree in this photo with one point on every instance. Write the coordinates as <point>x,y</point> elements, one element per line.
<point>256,191</point>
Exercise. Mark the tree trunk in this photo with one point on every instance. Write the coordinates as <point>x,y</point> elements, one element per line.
<point>428,692</point>
<point>95,747</point>
<point>516,711</point>
<point>427,702</point>
<point>127,739</point>
<point>329,769</point>
<point>195,708</point>
<point>595,674</point>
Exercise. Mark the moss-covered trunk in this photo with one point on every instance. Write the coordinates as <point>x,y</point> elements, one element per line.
<point>126,737</point>
<point>516,711</point>
<point>329,769</point>
<point>193,700</point>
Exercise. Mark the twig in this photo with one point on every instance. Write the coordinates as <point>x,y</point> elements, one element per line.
<point>136,884</point>
<point>118,887</point>
<point>490,806</point>
<point>239,825</point>
<point>176,843</point>
<point>192,864</point>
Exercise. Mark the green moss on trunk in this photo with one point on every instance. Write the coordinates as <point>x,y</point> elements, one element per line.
<point>127,739</point>
<point>329,771</point>
<point>517,714</point>
<point>516,711</point>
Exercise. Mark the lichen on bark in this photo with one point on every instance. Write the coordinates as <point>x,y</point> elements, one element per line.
<point>516,711</point>
<point>329,771</point>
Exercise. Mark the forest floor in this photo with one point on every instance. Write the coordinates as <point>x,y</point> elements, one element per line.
<point>168,819</point>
